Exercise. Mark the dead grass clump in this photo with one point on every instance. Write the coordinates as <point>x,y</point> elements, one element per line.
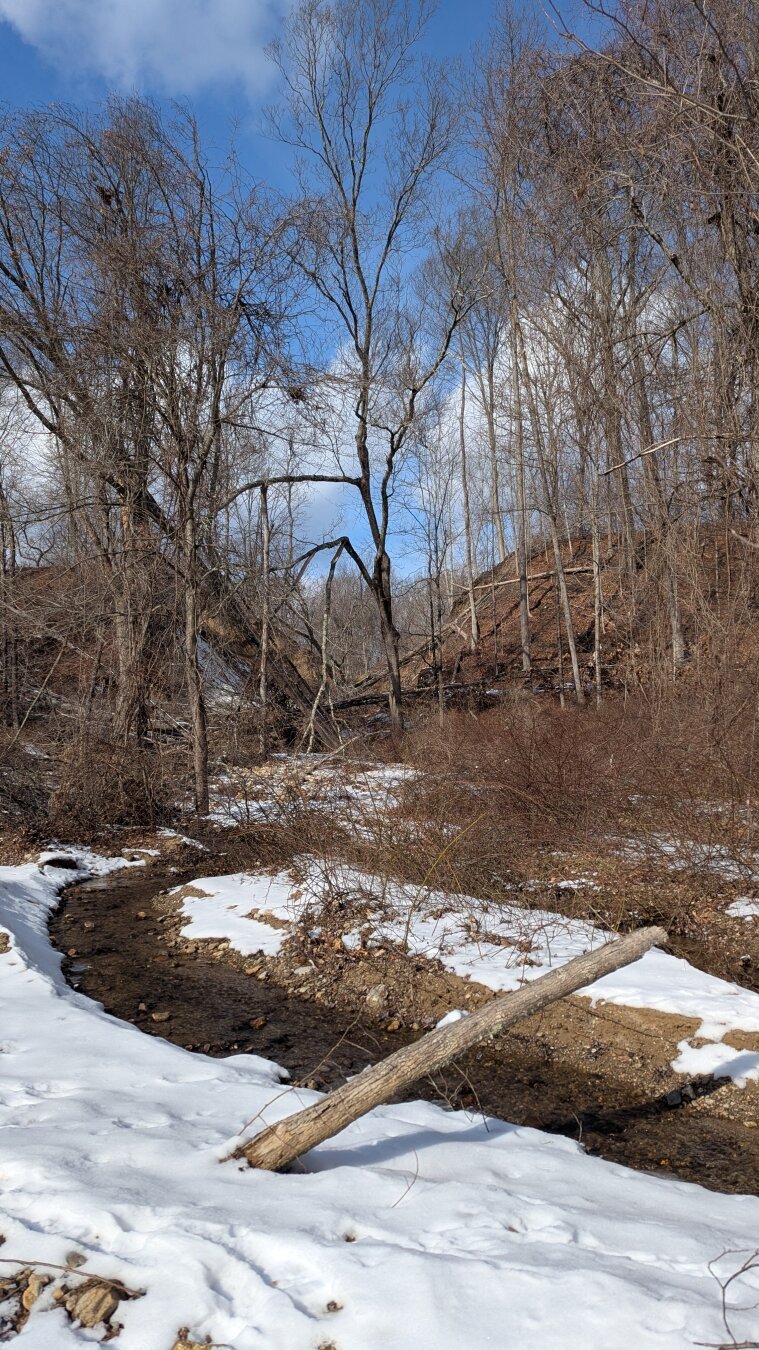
<point>24,791</point>
<point>671,787</point>
<point>544,775</point>
<point>103,784</point>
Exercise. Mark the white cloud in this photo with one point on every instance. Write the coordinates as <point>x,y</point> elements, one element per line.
<point>173,46</point>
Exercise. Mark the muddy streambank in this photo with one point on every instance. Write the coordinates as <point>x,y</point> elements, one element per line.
<point>567,1072</point>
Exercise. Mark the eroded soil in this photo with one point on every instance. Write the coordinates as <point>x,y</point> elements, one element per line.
<point>600,1075</point>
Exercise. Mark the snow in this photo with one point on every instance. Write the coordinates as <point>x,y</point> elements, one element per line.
<point>183,839</point>
<point>693,854</point>
<point>500,947</point>
<point>86,862</point>
<point>360,794</point>
<point>743,908</point>
<point>717,1059</point>
<point>419,1227</point>
<point>223,910</point>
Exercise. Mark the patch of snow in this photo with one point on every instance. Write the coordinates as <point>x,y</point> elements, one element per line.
<point>359,794</point>
<point>86,862</point>
<point>692,853</point>
<point>455,1015</point>
<point>414,1226</point>
<point>719,1060</point>
<point>226,909</point>
<point>743,908</point>
<point>183,839</point>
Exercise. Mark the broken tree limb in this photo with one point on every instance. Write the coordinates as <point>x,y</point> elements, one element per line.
<point>281,1143</point>
<point>533,576</point>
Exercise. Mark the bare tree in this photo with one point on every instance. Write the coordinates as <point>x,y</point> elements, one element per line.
<point>371,133</point>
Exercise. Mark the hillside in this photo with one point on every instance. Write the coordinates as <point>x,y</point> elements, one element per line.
<point>718,596</point>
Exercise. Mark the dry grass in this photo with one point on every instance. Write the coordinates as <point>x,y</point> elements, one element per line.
<point>656,812</point>
<point>105,784</point>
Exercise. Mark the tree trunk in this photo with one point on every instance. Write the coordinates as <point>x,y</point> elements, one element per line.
<point>559,647</point>
<point>597,591</point>
<point>195,694</point>
<point>391,639</point>
<point>281,1143</point>
<point>473,621</point>
<point>550,507</point>
<point>133,600</point>
<point>10,641</point>
<point>264,649</point>
<point>524,595</point>
<point>494,475</point>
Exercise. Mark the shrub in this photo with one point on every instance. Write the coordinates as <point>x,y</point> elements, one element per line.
<point>105,784</point>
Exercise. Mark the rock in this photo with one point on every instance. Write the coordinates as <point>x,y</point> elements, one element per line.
<point>394,1024</point>
<point>377,997</point>
<point>88,925</point>
<point>5,943</point>
<point>160,1016</point>
<point>72,951</point>
<point>303,970</point>
<point>258,1022</point>
<point>141,914</point>
<point>674,1098</point>
<point>75,1259</point>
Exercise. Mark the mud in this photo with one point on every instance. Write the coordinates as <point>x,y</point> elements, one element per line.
<point>602,1079</point>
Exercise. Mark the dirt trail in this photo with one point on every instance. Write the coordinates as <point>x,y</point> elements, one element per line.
<point>599,1075</point>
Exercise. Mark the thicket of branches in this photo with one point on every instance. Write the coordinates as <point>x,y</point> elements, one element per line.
<point>503,308</point>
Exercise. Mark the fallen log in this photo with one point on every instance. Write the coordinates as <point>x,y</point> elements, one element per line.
<point>285,1141</point>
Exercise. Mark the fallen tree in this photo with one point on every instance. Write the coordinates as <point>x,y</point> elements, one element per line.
<point>286,1140</point>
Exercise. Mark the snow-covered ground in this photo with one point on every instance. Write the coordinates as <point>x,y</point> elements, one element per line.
<point>241,908</point>
<point>683,853</point>
<point>415,1228</point>
<point>358,794</point>
<point>744,908</point>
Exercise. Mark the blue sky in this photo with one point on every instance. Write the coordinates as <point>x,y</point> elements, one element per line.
<point>211,52</point>
<point>208,51</point>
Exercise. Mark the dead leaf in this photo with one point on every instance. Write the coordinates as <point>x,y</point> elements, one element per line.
<point>33,1289</point>
<point>92,1303</point>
